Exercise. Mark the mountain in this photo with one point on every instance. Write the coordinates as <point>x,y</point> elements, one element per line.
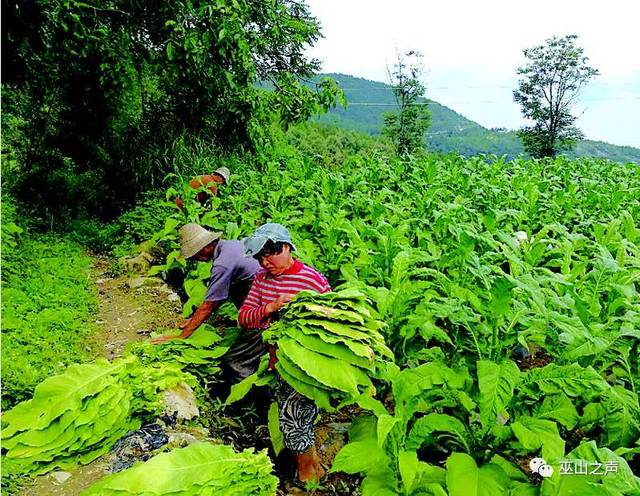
<point>449,131</point>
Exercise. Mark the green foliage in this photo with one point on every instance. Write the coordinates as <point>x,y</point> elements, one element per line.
<point>200,468</point>
<point>48,306</point>
<point>330,146</point>
<point>10,237</point>
<point>622,482</point>
<point>95,234</point>
<point>329,346</point>
<point>550,83</point>
<point>76,416</point>
<point>465,478</point>
<point>406,126</point>
<point>198,355</point>
<point>144,220</point>
<point>449,131</point>
<point>96,95</point>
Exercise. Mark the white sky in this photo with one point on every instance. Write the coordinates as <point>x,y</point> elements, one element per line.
<point>472,47</point>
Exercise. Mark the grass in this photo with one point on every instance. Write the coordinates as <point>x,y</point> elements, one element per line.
<point>48,303</point>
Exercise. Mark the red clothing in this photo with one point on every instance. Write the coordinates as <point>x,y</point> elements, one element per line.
<point>209,181</point>
<point>267,288</point>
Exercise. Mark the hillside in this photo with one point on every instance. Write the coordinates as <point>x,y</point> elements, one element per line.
<point>449,131</point>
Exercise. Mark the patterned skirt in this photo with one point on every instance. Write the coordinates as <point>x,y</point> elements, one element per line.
<point>297,414</point>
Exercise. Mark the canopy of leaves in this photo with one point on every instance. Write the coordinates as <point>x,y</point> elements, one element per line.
<point>102,89</point>
<point>407,125</point>
<point>551,82</point>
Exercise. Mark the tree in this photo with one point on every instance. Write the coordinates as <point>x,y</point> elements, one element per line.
<point>102,89</point>
<point>407,125</point>
<point>551,82</point>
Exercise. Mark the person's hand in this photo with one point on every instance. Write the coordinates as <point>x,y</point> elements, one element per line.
<point>183,323</point>
<point>279,302</point>
<point>163,339</point>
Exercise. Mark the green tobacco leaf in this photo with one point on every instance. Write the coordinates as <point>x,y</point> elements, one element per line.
<point>60,393</point>
<point>200,468</point>
<point>339,351</point>
<point>411,382</point>
<point>535,433</point>
<point>277,439</point>
<point>464,478</point>
<point>363,428</point>
<point>409,466</point>
<point>105,398</point>
<point>559,407</point>
<point>511,469</point>
<point>297,373</point>
<point>332,313</point>
<point>592,413</point>
<point>340,329</point>
<point>319,395</point>
<point>432,423</point>
<point>622,481</point>
<point>622,418</point>
<point>357,347</point>
<point>417,476</point>
<point>368,403</point>
<point>386,422</point>
<point>242,388</point>
<point>351,458</point>
<point>496,383</point>
<point>329,371</point>
<point>572,380</point>
<point>378,485</point>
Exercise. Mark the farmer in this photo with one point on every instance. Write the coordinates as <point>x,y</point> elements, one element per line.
<point>209,181</point>
<point>231,277</point>
<point>280,280</point>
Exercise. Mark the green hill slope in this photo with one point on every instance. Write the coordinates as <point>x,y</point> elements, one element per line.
<point>449,131</point>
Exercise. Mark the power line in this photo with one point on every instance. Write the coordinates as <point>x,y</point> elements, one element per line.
<point>387,88</point>
<point>387,104</point>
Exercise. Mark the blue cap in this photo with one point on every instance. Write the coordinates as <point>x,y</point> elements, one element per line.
<point>271,231</point>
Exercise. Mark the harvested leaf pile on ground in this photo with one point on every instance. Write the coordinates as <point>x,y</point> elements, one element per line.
<point>329,346</point>
<point>198,355</point>
<point>201,468</point>
<point>76,416</point>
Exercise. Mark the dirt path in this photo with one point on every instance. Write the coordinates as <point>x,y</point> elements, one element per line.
<point>130,307</point>
<point>127,311</point>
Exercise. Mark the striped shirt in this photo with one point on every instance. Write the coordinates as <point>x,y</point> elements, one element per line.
<point>267,288</point>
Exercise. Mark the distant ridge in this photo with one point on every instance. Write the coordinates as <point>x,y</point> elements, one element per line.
<point>449,131</point>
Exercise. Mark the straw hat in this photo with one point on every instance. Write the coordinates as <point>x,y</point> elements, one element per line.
<point>224,173</point>
<point>194,238</point>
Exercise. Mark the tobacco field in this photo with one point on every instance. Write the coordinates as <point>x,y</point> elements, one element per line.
<point>485,313</point>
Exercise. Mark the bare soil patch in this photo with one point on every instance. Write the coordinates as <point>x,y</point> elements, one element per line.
<point>128,314</point>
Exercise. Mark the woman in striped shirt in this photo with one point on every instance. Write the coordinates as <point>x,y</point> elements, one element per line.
<point>280,280</point>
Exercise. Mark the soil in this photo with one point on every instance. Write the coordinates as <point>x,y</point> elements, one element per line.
<point>538,358</point>
<point>127,314</point>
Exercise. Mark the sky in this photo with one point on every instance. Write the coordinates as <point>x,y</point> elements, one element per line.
<point>472,48</point>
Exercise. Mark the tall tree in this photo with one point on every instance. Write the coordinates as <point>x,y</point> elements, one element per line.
<point>407,125</point>
<point>103,88</point>
<point>551,82</point>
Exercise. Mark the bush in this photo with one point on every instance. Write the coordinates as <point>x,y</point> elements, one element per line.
<point>47,306</point>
